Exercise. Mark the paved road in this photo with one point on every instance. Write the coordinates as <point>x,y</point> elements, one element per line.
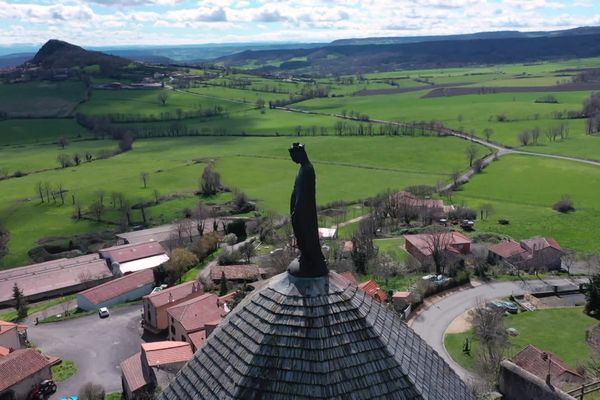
<point>97,346</point>
<point>431,324</point>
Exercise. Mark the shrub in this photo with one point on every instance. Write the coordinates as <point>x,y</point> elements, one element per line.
<point>564,205</point>
<point>237,227</point>
<point>547,99</point>
<point>229,258</point>
<point>503,221</point>
<point>463,213</point>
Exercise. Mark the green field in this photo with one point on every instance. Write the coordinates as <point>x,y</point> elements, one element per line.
<point>362,167</point>
<point>41,99</point>
<point>538,328</point>
<point>523,189</point>
<point>35,131</point>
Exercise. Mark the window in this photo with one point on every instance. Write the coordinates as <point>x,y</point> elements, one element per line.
<point>149,316</point>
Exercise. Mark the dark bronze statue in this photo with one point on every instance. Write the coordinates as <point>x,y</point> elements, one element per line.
<point>303,208</point>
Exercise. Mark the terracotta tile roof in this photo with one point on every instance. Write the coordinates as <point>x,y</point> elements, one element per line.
<point>247,272</point>
<point>227,298</point>
<point>19,365</point>
<point>194,314</point>
<point>401,295</point>
<point>161,353</point>
<point>174,293</point>
<point>4,351</point>
<point>507,248</point>
<point>198,338</point>
<point>373,290</point>
<point>6,326</point>
<point>51,275</point>
<point>535,360</point>
<point>423,241</point>
<point>134,373</point>
<point>116,287</point>
<point>349,276</point>
<point>539,243</point>
<point>130,252</point>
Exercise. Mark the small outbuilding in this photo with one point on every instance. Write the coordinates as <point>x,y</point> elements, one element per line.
<point>129,287</point>
<point>20,371</point>
<point>129,258</point>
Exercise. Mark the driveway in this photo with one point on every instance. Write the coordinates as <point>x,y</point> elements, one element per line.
<point>97,346</point>
<point>431,323</point>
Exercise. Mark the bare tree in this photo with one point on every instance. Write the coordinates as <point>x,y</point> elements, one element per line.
<point>488,326</point>
<point>363,249</point>
<point>486,210</point>
<point>437,241</point>
<point>163,96</point>
<point>210,182</point>
<point>97,209</point>
<point>63,141</point>
<point>91,391</point>
<point>524,138</point>
<point>471,152</point>
<point>76,159</point>
<point>569,260</point>
<point>39,187</point>
<point>144,176</point>
<point>248,250</point>
<point>488,132</point>
<point>64,160</point>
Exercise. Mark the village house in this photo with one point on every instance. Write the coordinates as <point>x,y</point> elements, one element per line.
<point>156,304</point>
<point>435,209</point>
<point>129,258</point>
<point>243,273</point>
<point>422,246</point>
<point>129,287</point>
<point>545,364</point>
<point>154,366</point>
<point>536,252</point>
<point>12,336</point>
<point>20,371</point>
<point>54,278</point>
<point>194,320</point>
<point>370,287</point>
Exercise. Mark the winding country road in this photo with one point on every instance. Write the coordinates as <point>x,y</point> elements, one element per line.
<point>432,322</point>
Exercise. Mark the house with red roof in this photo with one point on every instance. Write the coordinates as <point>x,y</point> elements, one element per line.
<point>129,287</point>
<point>537,252</point>
<point>156,304</point>
<point>128,258</point>
<point>545,364</point>
<point>192,321</point>
<point>12,336</point>
<point>422,246</point>
<point>156,364</point>
<point>236,273</point>
<point>370,287</point>
<point>20,371</point>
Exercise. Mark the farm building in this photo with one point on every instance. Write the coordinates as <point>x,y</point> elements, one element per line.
<point>537,252</point>
<point>127,288</point>
<point>20,371</point>
<point>129,258</point>
<point>164,233</point>
<point>156,304</point>
<point>236,273</point>
<point>417,206</point>
<point>421,246</point>
<point>279,342</point>
<point>54,278</point>
<point>542,363</point>
<point>154,366</point>
<point>194,320</point>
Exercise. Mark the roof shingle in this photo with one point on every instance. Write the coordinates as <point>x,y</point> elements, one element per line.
<point>19,365</point>
<point>116,287</point>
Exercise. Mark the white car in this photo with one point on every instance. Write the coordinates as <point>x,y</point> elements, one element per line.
<point>103,312</point>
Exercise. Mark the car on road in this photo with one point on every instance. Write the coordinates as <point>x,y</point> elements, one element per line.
<point>504,306</point>
<point>103,312</point>
<point>436,279</point>
<point>73,397</point>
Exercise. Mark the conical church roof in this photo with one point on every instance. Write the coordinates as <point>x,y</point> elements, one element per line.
<point>317,338</point>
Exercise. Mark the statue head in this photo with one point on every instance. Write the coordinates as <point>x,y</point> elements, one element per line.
<point>298,153</point>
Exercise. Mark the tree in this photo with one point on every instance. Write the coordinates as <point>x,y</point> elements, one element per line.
<point>569,259</point>
<point>488,326</point>
<point>437,241</point>
<point>210,182</point>
<point>524,138</point>
<point>163,96</point>
<point>248,251</point>
<point>91,391</point>
<point>20,303</point>
<point>126,142</point>
<point>97,209</point>
<point>144,176</point>
<point>63,141</point>
<point>471,152</point>
<point>39,187</point>
<point>181,260</point>
<point>76,159</point>
<point>486,210</point>
<point>223,285</point>
<point>592,296</point>
<point>488,132</point>
<point>363,249</point>
<point>64,160</point>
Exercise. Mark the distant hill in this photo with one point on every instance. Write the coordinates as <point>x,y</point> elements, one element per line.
<point>587,30</point>
<point>444,53</point>
<point>59,54</point>
<point>12,60</point>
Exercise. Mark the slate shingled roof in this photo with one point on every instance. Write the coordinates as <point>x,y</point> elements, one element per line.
<point>317,338</point>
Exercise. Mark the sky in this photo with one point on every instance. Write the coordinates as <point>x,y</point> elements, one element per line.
<point>161,22</point>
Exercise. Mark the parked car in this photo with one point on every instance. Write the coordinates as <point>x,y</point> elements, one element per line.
<point>504,305</point>
<point>103,312</point>
<point>436,279</point>
<point>73,397</point>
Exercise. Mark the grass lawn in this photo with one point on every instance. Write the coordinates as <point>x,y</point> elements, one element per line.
<point>190,275</point>
<point>40,130</point>
<point>41,98</point>
<point>560,330</point>
<point>393,247</point>
<point>63,371</point>
<point>113,396</point>
<point>36,307</point>
<point>399,282</point>
<point>523,189</point>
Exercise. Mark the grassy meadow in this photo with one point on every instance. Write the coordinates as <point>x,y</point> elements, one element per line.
<point>41,99</point>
